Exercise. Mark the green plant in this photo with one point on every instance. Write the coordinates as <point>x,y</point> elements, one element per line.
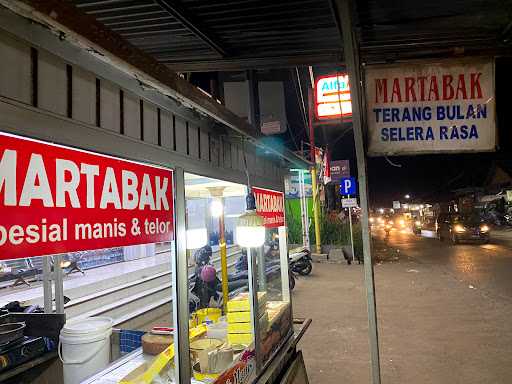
<point>293,221</point>
<point>332,230</point>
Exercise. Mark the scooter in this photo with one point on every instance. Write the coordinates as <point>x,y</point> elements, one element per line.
<point>301,261</point>
<point>241,271</point>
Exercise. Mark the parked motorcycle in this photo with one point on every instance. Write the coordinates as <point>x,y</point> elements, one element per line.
<point>300,261</point>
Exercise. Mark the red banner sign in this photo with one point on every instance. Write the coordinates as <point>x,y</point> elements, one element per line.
<point>56,199</point>
<point>270,205</point>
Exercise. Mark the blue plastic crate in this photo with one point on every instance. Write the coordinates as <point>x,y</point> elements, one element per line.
<point>129,340</point>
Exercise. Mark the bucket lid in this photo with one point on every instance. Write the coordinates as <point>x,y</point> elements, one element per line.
<point>87,325</point>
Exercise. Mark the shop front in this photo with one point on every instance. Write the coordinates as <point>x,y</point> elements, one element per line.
<point>61,203</point>
<point>141,243</point>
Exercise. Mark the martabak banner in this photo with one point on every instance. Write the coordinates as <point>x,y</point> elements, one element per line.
<point>270,205</point>
<point>56,199</point>
<point>447,106</point>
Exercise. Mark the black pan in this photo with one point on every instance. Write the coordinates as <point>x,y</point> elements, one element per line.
<point>10,332</point>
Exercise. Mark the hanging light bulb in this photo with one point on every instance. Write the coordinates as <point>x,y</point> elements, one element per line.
<point>216,208</point>
<point>250,231</point>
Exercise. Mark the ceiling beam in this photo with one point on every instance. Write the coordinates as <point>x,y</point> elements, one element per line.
<point>180,13</point>
<point>244,63</point>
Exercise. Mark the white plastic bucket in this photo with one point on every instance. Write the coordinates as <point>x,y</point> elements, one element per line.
<point>84,347</point>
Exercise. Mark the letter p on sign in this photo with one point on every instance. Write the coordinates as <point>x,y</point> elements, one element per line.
<point>348,186</point>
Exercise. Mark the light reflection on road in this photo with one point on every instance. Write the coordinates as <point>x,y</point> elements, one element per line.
<point>484,266</point>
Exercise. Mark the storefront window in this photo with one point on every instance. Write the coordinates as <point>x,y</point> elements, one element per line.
<point>222,337</point>
<point>225,343</point>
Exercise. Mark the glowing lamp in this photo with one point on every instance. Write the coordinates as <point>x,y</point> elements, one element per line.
<point>196,238</point>
<point>250,231</point>
<point>216,208</point>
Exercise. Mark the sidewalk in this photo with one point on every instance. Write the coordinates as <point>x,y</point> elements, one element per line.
<point>433,328</point>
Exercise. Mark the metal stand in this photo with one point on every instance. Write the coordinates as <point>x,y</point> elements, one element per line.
<point>47,285</point>
<point>253,293</point>
<point>344,14</point>
<point>59,284</point>
<point>304,210</point>
<point>180,285</point>
<point>351,233</point>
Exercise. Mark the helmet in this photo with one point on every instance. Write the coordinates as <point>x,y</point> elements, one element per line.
<point>208,273</point>
<point>203,255</point>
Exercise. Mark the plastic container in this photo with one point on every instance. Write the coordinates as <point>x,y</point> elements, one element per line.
<point>217,330</point>
<point>84,347</point>
<point>205,314</point>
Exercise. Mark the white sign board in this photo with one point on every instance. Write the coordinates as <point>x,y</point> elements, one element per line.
<point>396,205</point>
<point>349,203</point>
<point>444,106</point>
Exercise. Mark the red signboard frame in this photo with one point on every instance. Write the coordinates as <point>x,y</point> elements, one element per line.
<point>270,205</point>
<point>57,199</point>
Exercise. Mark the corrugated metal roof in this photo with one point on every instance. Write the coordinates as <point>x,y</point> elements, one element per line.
<point>408,28</point>
<point>242,29</point>
<point>228,34</point>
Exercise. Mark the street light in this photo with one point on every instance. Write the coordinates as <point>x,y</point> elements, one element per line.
<point>407,196</point>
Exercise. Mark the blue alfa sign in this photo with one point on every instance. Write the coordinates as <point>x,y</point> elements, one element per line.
<point>348,186</point>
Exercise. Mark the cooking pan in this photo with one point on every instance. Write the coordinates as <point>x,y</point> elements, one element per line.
<point>10,332</point>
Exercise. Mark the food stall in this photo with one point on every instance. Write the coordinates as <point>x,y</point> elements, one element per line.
<point>97,161</point>
<point>227,338</point>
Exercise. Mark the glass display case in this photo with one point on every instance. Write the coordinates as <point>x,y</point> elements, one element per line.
<point>230,265</point>
<point>236,288</point>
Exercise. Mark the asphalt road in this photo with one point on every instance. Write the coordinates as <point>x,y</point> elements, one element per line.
<point>487,267</point>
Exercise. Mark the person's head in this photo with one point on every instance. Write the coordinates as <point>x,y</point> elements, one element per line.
<point>203,255</point>
<point>208,273</point>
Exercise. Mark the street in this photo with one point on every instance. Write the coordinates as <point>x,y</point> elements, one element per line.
<point>443,313</point>
<point>486,267</point>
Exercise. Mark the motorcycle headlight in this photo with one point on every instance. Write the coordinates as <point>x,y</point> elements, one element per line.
<point>459,228</point>
<point>418,223</point>
<point>484,228</point>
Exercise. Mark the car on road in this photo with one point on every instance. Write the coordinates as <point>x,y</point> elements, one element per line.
<point>459,227</point>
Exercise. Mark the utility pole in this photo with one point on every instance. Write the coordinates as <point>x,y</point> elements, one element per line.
<point>316,200</point>
<point>344,13</point>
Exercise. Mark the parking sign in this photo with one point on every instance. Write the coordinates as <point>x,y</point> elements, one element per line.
<point>348,186</point>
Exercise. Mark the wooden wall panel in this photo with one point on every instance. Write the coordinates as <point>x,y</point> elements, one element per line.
<point>131,115</point>
<point>167,129</point>
<point>215,150</point>
<point>15,69</point>
<point>226,153</point>
<point>203,137</point>
<point>150,123</point>
<point>84,96</point>
<point>52,84</point>
<point>193,140</point>
<point>181,134</point>
<point>110,115</point>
